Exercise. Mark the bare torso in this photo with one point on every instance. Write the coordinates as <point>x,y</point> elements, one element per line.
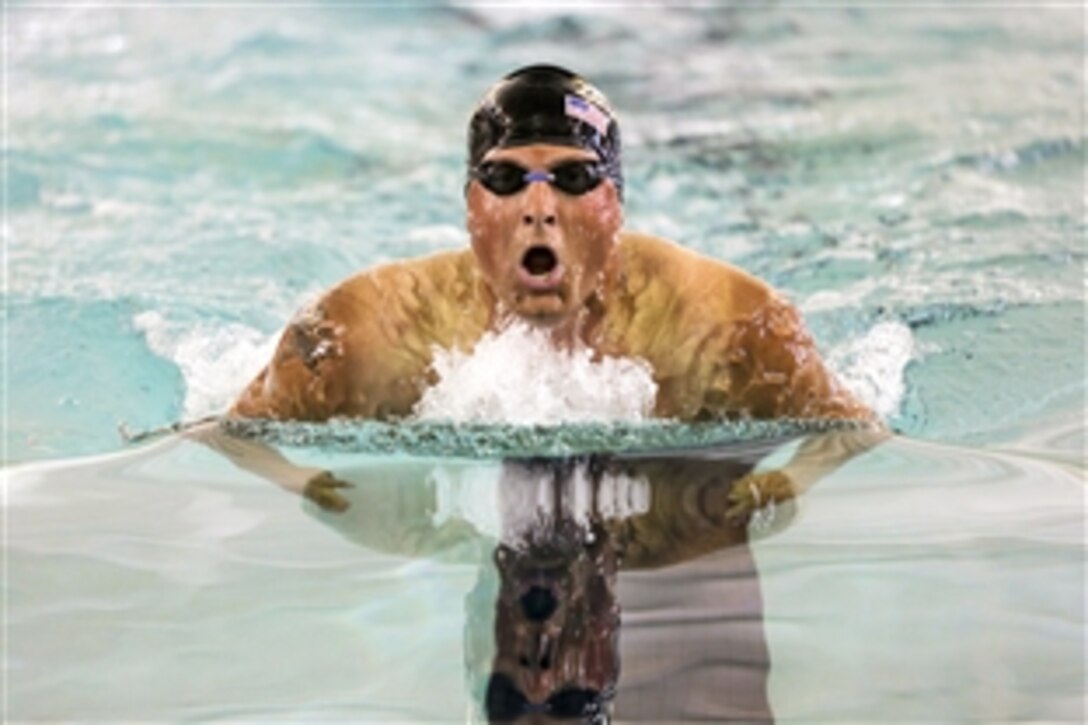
<point>720,342</point>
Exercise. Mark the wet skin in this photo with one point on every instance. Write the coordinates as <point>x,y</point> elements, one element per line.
<point>543,252</point>
<point>721,343</point>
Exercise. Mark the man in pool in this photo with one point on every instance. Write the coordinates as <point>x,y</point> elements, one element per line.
<point>544,216</point>
<point>544,201</point>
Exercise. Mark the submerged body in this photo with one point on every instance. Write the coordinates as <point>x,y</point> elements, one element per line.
<point>720,342</point>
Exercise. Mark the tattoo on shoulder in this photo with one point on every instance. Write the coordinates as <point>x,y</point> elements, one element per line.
<point>314,338</point>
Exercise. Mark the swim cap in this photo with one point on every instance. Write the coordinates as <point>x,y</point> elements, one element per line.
<point>546,104</point>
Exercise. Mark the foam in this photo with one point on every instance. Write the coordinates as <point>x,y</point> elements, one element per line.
<point>517,376</point>
<point>514,376</point>
<point>873,366</point>
<point>216,361</point>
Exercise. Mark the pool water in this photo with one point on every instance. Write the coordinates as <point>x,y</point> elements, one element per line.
<point>920,582</point>
<point>180,179</point>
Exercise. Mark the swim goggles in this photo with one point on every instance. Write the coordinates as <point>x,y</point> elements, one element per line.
<point>504,178</point>
<point>505,703</point>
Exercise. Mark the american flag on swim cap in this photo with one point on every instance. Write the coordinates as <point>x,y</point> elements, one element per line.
<point>545,104</point>
<point>586,112</point>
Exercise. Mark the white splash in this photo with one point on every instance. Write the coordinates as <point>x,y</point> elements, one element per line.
<point>216,361</point>
<point>873,366</point>
<point>518,376</point>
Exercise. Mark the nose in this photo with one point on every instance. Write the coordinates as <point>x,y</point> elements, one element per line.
<point>539,207</point>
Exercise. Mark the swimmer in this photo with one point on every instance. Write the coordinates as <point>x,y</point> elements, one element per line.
<point>544,197</point>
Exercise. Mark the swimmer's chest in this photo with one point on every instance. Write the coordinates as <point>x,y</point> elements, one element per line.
<point>404,341</point>
<point>401,318</point>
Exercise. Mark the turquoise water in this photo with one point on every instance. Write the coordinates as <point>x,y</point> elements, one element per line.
<point>181,178</point>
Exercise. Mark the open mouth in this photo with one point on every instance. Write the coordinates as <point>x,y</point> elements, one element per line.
<point>540,271</point>
<point>539,261</point>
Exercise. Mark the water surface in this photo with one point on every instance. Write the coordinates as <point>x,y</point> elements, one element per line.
<point>180,179</point>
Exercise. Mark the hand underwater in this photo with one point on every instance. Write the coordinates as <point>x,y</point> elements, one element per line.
<point>323,489</point>
<point>756,491</point>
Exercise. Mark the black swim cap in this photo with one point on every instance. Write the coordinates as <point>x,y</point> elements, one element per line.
<point>546,104</point>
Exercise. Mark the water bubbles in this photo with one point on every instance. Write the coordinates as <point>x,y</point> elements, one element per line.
<point>216,361</point>
<point>518,376</point>
<point>873,366</point>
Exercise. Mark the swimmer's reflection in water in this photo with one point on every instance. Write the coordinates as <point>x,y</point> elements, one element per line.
<point>556,612</point>
<point>551,537</point>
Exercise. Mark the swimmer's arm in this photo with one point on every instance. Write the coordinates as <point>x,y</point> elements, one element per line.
<point>819,456</point>
<point>779,373</point>
<point>686,517</point>
<point>823,454</point>
<point>304,380</point>
<point>261,459</point>
<point>698,506</point>
<point>384,514</point>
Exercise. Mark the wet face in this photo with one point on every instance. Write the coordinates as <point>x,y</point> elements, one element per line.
<point>542,250</point>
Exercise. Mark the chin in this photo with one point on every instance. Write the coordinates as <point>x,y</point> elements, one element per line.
<point>543,310</point>
<point>542,319</point>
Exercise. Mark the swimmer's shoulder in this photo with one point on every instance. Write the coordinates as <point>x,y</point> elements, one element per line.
<point>409,282</point>
<point>420,293</point>
<point>363,347</point>
<point>732,344</point>
<point>412,305</point>
<point>720,287</point>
